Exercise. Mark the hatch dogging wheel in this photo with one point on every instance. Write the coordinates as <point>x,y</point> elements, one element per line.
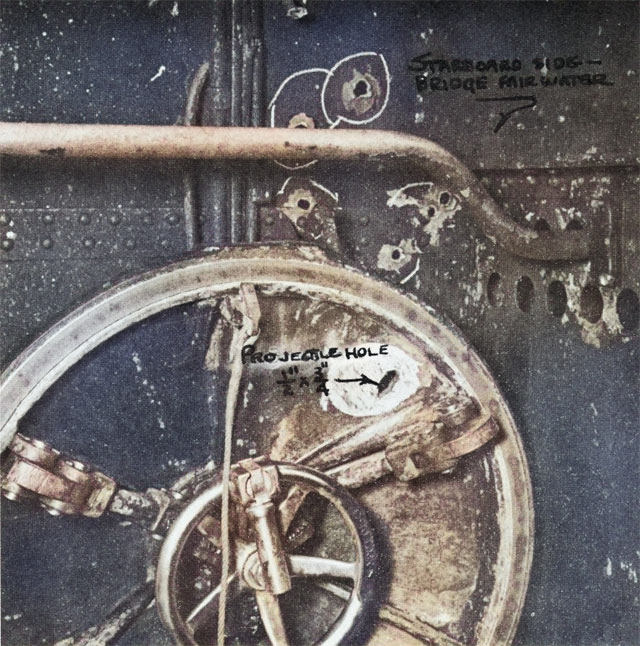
<point>431,526</point>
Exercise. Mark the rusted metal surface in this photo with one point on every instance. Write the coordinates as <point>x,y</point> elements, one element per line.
<point>296,144</point>
<point>570,400</point>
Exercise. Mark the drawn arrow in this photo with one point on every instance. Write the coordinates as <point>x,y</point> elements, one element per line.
<point>504,116</point>
<point>363,380</point>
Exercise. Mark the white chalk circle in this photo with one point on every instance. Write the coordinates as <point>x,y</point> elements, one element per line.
<point>368,69</point>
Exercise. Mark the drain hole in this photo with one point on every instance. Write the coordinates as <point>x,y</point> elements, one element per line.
<point>524,293</point>
<point>495,295</point>
<point>361,88</point>
<point>305,205</point>
<point>591,303</point>
<point>541,225</point>
<point>557,298</point>
<point>628,309</point>
<point>574,225</point>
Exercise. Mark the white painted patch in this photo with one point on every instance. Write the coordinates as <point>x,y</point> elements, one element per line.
<point>632,574</point>
<point>361,400</point>
<point>608,570</point>
<point>161,70</point>
<point>395,257</point>
<point>137,361</point>
<point>427,201</point>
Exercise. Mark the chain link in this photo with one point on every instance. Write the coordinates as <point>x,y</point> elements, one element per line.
<point>35,470</point>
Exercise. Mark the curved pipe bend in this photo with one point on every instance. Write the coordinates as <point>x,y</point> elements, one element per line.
<point>295,144</point>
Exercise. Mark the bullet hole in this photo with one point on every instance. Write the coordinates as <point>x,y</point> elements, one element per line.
<point>395,254</point>
<point>361,88</point>
<point>431,211</point>
<point>557,298</point>
<point>391,377</point>
<point>301,120</point>
<point>47,218</point>
<point>359,95</point>
<point>46,243</point>
<point>303,204</point>
<point>591,303</point>
<point>524,293</point>
<point>541,225</point>
<point>495,292</point>
<point>574,225</point>
<point>628,310</point>
<point>444,198</point>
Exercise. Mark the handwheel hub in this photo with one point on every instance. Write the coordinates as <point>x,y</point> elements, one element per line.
<point>332,568</point>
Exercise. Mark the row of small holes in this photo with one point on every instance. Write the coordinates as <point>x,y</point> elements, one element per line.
<point>591,303</point>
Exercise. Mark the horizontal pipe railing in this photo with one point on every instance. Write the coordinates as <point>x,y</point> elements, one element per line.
<point>67,141</point>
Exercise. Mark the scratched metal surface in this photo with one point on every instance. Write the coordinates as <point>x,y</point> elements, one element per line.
<point>77,227</point>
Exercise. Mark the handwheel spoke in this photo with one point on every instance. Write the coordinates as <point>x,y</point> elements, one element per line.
<point>365,436</point>
<point>315,566</point>
<point>125,613</point>
<point>207,610</point>
<point>412,441</point>
<point>271,616</point>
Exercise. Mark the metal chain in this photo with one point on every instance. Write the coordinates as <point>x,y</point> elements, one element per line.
<point>35,470</point>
